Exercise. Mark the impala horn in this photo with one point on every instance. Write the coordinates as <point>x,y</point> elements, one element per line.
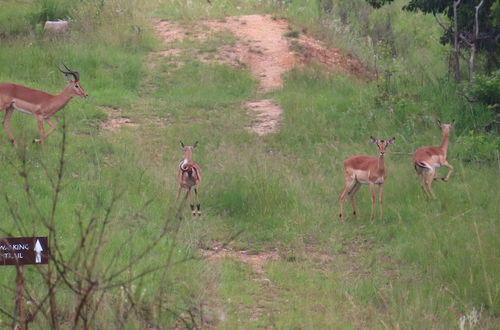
<point>75,74</point>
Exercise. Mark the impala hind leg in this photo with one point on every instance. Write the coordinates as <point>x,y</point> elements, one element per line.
<point>352,194</point>
<point>8,113</point>
<point>187,198</point>
<point>428,183</point>
<point>178,193</point>
<point>198,205</point>
<point>349,181</point>
<point>423,182</point>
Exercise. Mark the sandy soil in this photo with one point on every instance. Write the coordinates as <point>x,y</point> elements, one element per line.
<point>115,120</point>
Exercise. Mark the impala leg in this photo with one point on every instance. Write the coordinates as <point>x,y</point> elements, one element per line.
<point>8,113</point>
<point>352,194</point>
<point>188,198</point>
<point>372,192</point>
<point>422,183</point>
<point>446,164</point>
<point>380,199</point>
<point>52,125</point>
<point>348,185</point>
<point>198,205</point>
<point>178,193</point>
<point>41,130</point>
<point>430,177</point>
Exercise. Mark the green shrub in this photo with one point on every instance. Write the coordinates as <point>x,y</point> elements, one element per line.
<point>51,10</point>
<point>478,146</point>
<point>292,34</point>
<point>486,90</point>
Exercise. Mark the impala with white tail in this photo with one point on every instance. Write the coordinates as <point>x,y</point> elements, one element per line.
<point>360,170</point>
<point>38,103</point>
<point>428,159</point>
<point>189,176</point>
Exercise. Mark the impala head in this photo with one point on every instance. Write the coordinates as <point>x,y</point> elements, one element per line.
<point>445,128</point>
<point>76,87</point>
<point>188,150</point>
<point>381,144</point>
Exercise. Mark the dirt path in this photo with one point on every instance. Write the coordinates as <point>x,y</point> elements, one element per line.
<point>262,47</point>
<point>267,290</point>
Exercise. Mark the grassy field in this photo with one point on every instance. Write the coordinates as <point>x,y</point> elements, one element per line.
<point>425,265</point>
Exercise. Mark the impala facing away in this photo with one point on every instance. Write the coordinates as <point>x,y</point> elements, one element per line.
<point>189,175</point>
<point>427,159</point>
<point>365,170</point>
<point>38,103</point>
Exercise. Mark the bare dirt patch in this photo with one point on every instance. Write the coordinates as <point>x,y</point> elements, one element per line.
<point>115,119</point>
<point>262,47</point>
<point>266,114</point>
<point>168,31</point>
<point>256,261</point>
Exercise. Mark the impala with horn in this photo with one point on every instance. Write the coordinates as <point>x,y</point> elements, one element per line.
<point>365,170</point>
<point>189,176</point>
<point>428,159</point>
<point>38,103</point>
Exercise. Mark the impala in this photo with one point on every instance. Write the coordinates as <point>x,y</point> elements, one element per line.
<point>189,176</point>
<point>365,170</point>
<point>427,159</point>
<point>38,103</point>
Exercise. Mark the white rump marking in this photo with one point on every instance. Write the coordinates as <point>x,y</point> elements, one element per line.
<point>183,163</point>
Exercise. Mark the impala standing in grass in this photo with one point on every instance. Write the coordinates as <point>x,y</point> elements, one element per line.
<point>38,103</point>
<point>428,159</point>
<point>365,170</point>
<point>189,176</point>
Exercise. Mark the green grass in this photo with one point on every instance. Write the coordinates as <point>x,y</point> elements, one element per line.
<point>422,266</point>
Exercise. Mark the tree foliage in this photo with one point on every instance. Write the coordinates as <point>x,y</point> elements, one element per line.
<point>485,41</point>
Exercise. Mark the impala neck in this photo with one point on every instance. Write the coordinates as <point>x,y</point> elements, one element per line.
<point>381,164</point>
<point>188,154</point>
<point>60,100</point>
<point>444,142</point>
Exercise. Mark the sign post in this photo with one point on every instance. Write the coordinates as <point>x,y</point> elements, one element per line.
<point>20,251</point>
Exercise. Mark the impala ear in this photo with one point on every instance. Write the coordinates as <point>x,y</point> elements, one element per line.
<point>182,144</point>
<point>195,144</point>
<point>373,139</point>
<point>439,123</point>
<point>391,140</point>
<point>452,123</point>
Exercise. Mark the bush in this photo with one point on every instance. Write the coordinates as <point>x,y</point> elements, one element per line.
<point>486,90</point>
<point>51,10</point>
<point>475,146</point>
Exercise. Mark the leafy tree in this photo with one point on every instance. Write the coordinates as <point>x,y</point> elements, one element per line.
<point>473,25</point>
